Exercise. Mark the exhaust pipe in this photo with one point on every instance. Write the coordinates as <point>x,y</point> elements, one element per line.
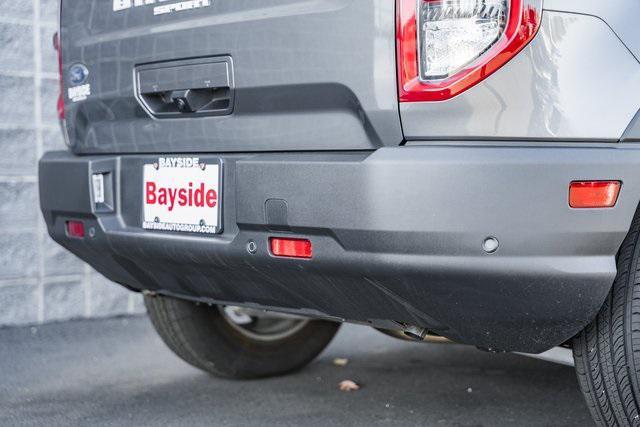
<point>415,334</point>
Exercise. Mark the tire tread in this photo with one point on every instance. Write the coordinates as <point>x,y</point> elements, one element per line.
<point>607,351</point>
<point>199,334</point>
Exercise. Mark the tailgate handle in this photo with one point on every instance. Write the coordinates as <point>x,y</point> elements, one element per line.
<point>185,101</point>
<point>186,88</point>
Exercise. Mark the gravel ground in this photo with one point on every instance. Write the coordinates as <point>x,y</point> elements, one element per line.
<point>118,372</point>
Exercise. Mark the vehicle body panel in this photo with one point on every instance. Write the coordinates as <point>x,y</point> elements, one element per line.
<point>397,235</point>
<point>620,15</point>
<point>632,134</point>
<point>309,75</point>
<point>575,82</point>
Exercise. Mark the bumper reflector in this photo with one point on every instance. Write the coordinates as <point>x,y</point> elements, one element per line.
<point>291,248</point>
<point>75,229</point>
<point>594,194</point>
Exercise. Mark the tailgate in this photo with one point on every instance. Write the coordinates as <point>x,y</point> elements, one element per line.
<point>262,75</point>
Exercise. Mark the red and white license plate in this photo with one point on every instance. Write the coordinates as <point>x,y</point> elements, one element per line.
<point>182,194</point>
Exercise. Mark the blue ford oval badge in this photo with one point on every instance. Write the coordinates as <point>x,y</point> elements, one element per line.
<point>78,74</point>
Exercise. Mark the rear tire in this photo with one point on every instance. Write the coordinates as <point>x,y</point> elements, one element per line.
<point>607,352</point>
<point>203,336</point>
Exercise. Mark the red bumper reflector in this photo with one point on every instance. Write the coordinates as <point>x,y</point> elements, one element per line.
<point>75,229</point>
<point>291,248</point>
<point>594,194</point>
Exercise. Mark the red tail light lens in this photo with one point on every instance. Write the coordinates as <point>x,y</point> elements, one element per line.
<point>447,46</point>
<point>58,48</point>
<point>291,248</point>
<point>594,194</point>
<point>57,45</point>
<point>75,229</point>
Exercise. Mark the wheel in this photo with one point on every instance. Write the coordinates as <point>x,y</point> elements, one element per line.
<point>228,342</point>
<point>607,352</point>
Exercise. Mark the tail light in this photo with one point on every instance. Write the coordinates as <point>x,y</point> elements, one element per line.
<point>57,45</point>
<point>447,46</point>
<point>58,48</point>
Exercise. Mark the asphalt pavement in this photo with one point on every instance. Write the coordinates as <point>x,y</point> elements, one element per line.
<point>118,372</point>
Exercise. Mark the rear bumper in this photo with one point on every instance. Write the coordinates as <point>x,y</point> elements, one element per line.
<point>397,236</point>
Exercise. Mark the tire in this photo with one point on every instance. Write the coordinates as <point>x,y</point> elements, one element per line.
<point>607,352</point>
<point>204,337</point>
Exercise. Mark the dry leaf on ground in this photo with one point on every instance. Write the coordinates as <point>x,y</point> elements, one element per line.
<point>348,385</point>
<point>339,361</point>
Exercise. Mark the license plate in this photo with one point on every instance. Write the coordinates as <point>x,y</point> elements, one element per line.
<point>182,194</point>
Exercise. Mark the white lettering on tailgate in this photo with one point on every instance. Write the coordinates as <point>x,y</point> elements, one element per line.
<point>178,7</point>
<point>119,5</point>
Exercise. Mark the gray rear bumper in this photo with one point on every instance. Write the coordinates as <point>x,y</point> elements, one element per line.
<point>397,236</point>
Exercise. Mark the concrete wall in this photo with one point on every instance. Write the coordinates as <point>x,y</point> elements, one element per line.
<point>39,281</point>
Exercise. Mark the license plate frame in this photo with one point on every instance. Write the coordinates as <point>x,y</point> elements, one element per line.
<point>178,192</point>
